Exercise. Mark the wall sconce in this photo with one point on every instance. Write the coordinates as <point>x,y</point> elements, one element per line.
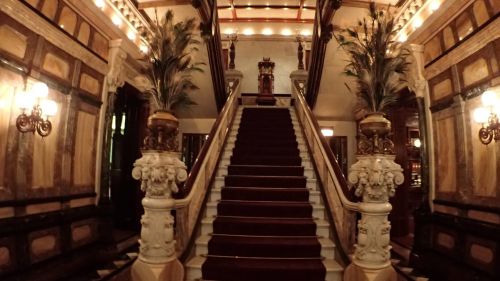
<point>41,109</point>
<point>488,117</point>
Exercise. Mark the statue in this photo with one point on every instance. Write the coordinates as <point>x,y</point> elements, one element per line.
<point>266,82</point>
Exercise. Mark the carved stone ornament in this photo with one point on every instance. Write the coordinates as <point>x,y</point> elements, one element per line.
<point>159,173</point>
<point>376,177</point>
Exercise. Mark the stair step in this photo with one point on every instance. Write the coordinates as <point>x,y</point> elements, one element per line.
<point>263,170</point>
<point>265,194</point>
<point>262,226</point>
<point>265,209</point>
<point>266,181</point>
<point>246,269</point>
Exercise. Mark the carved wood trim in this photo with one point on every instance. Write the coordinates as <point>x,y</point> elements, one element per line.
<point>487,53</point>
<point>31,41</point>
<point>443,76</point>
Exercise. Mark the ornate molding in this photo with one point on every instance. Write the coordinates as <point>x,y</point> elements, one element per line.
<point>24,15</point>
<point>116,75</point>
<point>159,173</point>
<point>376,177</point>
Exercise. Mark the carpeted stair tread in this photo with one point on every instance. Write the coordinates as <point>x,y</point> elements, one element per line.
<point>241,269</point>
<point>265,209</point>
<point>266,150</point>
<point>265,170</point>
<point>264,226</point>
<point>266,181</point>
<point>264,193</point>
<point>264,246</point>
<point>267,159</point>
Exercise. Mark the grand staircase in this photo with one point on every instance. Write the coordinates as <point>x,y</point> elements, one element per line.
<point>264,219</point>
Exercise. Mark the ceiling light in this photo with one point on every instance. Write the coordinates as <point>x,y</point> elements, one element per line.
<point>228,31</point>
<point>403,37</point>
<point>286,32</point>
<point>435,5</point>
<point>327,132</point>
<point>267,8</point>
<point>305,32</point>
<point>116,20</point>
<point>99,4</point>
<point>267,31</point>
<point>144,49</point>
<point>248,31</point>
<point>417,22</point>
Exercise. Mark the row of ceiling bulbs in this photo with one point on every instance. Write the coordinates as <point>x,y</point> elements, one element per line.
<point>267,31</point>
<point>116,19</point>
<point>413,14</point>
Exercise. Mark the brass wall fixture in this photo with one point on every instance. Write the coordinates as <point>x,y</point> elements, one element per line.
<point>36,110</point>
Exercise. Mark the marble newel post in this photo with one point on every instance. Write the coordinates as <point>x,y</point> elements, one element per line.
<point>159,173</point>
<point>375,176</point>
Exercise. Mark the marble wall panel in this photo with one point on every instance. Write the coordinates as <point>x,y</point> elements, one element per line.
<point>475,71</point>
<point>49,8</point>
<point>13,41</point>
<point>446,168</point>
<point>484,158</point>
<point>495,4</point>
<point>7,212</point>
<point>484,216</point>
<point>5,258</point>
<point>100,45</point>
<point>448,38</point>
<point>83,232</point>
<point>56,65</point>
<point>480,12</point>
<point>463,25</point>
<point>90,84</point>
<point>442,89</point>
<point>85,141</point>
<point>432,49</point>
<point>43,208</point>
<point>44,244</point>
<point>68,20</point>
<point>84,33</point>
<point>481,253</point>
<point>445,240</point>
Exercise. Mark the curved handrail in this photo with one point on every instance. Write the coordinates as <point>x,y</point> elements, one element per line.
<point>339,206</point>
<point>188,209</point>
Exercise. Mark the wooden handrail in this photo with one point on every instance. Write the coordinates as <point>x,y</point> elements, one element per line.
<point>338,201</point>
<point>196,190</point>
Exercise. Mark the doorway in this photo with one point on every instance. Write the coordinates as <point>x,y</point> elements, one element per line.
<point>129,121</point>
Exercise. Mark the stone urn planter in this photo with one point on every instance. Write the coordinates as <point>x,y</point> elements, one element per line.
<point>163,129</point>
<point>375,129</point>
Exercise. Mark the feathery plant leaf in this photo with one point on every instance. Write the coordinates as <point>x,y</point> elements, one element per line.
<point>376,61</point>
<point>169,63</point>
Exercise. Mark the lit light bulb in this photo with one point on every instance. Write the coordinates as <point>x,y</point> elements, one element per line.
<point>25,100</point>
<point>417,22</point>
<point>49,108</point>
<point>434,5</point>
<point>99,4</point>
<point>481,115</point>
<point>131,35</point>
<point>40,90</point>
<point>248,31</point>
<point>417,143</point>
<point>305,32</point>
<point>403,37</point>
<point>267,31</point>
<point>286,32</point>
<point>143,48</point>
<point>327,132</point>
<point>116,20</point>
<point>228,31</point>
<point>489,98</point>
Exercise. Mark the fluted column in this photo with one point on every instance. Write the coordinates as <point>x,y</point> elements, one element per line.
<point>159,173</point>
<point>375,177</point>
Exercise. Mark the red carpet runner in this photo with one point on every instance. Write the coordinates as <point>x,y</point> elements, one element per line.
<point>264,229</point>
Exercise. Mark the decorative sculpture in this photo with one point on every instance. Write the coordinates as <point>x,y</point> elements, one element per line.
<point>266,82</point>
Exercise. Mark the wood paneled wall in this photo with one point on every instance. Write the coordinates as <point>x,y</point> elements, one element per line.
<point>461,239</point>
<point>47,185</point>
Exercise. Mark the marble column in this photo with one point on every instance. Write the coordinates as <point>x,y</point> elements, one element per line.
<point>160,173</point>
<point>375,177</point>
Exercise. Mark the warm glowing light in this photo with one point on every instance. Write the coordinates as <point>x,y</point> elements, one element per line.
<point>403,37</point>
<point>143,48</point>
<point>116,20</point>
<point>49,107</point>
<point>228,31</point>
<point>25,100</point>
<point>305,32</point>
<point>248,31</point>
<point>286,32</point>
<point>267,8</point>
<point>417,22</point>
<point>40,90</point>
<point>248,8</point>
<point>327,132</point>
<point>417,143</point>
<point>100,4</point>
<point>489,98</point>
<point>481,115</point>
<point>434,5</point>
<point>131,35</point>
<point>267,31</point>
